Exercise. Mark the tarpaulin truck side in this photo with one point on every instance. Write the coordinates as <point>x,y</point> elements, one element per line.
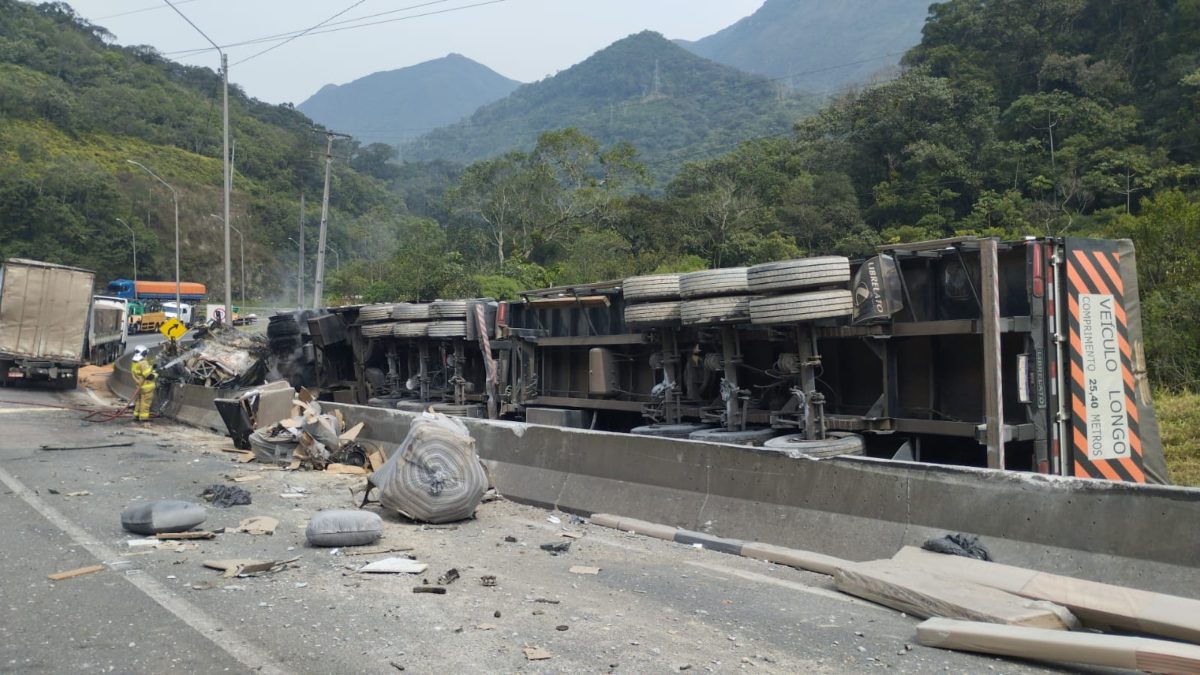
<point>44,310</point>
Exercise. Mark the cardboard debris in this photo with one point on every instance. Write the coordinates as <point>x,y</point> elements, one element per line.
<point>536,654</point>
<point>346,469</point>
<point>1096,604</point>
<point>1114,651</point>
<point>77,572</point>
<point>583,569</point>
<point>376,459</point>
<point>394,566</point>
<point>258,525</point>
<point>927,594</point>
<point>237,567</point>
<point>245,458</point>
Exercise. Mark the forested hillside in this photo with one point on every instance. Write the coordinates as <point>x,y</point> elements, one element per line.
<point>644,90</point>
<point>74,108</point>
<point>817,45</point>
<point>395,106</point>
<point>1027,117</point>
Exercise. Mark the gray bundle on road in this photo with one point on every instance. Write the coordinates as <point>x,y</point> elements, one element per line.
<point>162,515</point>
<point>435,475</point>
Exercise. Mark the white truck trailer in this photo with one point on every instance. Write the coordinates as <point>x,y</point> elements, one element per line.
<point>108,329</point>
<point>44,316</point>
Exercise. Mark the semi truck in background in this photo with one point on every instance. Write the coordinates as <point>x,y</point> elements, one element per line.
<point>44,316</point>
<point>108,327</point>
<point>152,303</point>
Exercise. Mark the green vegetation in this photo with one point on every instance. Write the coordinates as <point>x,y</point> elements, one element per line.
<point>644,90</point>
<point>1179,418</point>
<point>74,108</point>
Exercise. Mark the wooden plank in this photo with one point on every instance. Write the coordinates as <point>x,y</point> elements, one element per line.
<point>993,383</point>
<point>1114,651</point>
<point>927,594</point>
<point>1097,605</point>
<point>794,557</point>
<point>77,572</point>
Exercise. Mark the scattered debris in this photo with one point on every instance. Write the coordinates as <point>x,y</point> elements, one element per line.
<point>583,569</point>
<point>241,567</point>
<point>377,551</point>
<point>346,469</point>
<point>554,519</point>
<point>450,576</point>
<point>435,475</point>
<point>226,358</point>
<point>224,496</point>
<point>97,446</point>
<point>485,626</point>
<point>394,566</point>
<point>966,545</point>
<point>246,478</point>
<point>78,493</point>
<point>162,515</point>
<point>536,654</point>
<point>547,601</point>
<point>562,627</point>
<point>257,525</point>
<point>181,535</point>
<point>556,548</point>
<point>436,590</point>
<point>78,572</point>
<point>510,539</point>
<point>488,580</point>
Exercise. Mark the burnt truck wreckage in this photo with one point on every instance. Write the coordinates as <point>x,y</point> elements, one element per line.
<point>1022,355</point>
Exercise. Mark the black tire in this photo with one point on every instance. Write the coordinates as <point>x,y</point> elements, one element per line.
<point>411,329</point>
<point>651,288</point>
<point>715,311</point>
<point>790,275</point>
<point>282,325</point>
<point>379,312</point>
<point>670,430</point>
<point>448,309</point>
<point>779,309</point>
<point>410,311</point>
<point>378,330</point>
<point>711,283</point>
<point>465,410</point>
<point>652,314</point>
<point>835,443</point>
<point>447,329</point>
<point>752,436</point>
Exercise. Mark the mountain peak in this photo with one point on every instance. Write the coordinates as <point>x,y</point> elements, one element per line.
<point>392,106</point>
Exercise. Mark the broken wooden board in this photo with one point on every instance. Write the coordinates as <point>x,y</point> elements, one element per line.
<point>348,469</point>
<point>1114,651</point>
<point>925,594</point>
<point>77,572</point>
<point>1097,605</point>
<point>186,535</point>
<point>352,433</point>
<point>258,525</point>
<point>376,459</point>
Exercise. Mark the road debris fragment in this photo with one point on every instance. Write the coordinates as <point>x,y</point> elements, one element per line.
<point>583,569</point>
<point>436,590</point>
<point>77,572</point>
<point>257,525</point>
<point>224,496</point>
<point>241,567</point>
<point>200,534</point>
<point>448,577</point>
<point>536,654</point>
<point>394,566</point>
<point>488,580</point>
<point>557,548</point>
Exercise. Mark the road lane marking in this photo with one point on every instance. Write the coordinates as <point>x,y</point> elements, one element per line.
<point>238,647</point>
<point>5,411</point>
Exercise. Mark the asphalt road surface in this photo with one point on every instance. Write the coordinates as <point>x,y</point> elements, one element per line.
<point>654,606</point>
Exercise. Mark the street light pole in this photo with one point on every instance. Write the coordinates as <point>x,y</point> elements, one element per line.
<point>226,171</point>
<point>175,198</point>
<point>134,235</point>
<point>242,253</point>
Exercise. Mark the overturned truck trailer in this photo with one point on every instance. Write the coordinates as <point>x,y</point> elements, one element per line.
<point>1021,355</point>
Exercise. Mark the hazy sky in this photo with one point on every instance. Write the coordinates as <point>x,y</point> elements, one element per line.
<point>522,39</point>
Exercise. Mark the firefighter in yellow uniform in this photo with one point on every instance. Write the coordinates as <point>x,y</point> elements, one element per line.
<point>143,379</point>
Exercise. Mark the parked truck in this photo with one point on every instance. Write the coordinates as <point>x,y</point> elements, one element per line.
<point>44,316</point>
<point>107,329</point>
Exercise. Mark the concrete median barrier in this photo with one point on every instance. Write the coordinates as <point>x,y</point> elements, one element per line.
<point>854,508</point>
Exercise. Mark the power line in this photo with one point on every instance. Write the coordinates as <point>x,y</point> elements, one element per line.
<point>139,11</point>
<point>305,32</point>
<point>335,30</point>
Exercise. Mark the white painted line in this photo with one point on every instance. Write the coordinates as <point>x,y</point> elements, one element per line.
<point>784,583</point>
<point>241,649</point>
<point>28,409</point>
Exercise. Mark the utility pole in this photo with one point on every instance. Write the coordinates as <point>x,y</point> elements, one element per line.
<point>300,269</point>
<point>228,182</point>
<point>319,284</point>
